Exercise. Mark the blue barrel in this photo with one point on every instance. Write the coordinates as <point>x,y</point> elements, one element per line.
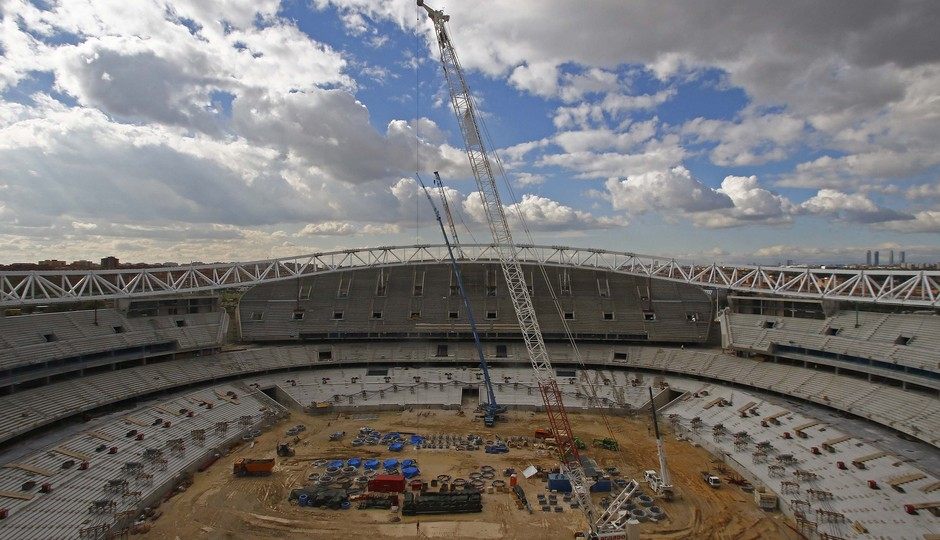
<point>417,439</point>
<point>354,462</point>
<point>371,464</point>
<point>390,463</point>
<point>336,463</point>
<point>407,463</point>
<point>345,505</point>
<point>410,472</point>
<point>302,500</point>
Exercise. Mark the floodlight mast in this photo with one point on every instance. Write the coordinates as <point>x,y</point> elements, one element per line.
<point>483,172</point>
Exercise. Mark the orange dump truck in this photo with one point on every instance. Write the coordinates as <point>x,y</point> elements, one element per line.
<point>253,467</point>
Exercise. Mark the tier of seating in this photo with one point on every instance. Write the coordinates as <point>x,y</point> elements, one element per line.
<point>797,457</point>
<point>913,413</point>
<point>129,460</point>
<point>407,386</point>
<point>422,301</point>
<point>32,346</point>
<point>902,343</point>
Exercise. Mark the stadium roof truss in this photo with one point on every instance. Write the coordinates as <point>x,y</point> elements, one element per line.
<point>882,286</point>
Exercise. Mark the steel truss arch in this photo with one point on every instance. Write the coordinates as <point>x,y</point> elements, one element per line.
<point>914,288</point>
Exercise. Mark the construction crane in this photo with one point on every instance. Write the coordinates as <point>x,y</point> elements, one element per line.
<point>447,212</point>
<point>660,483</point>
<point>491,409</point>
<point>483,171</point>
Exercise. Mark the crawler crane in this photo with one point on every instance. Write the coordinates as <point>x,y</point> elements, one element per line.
<point>604,524</point>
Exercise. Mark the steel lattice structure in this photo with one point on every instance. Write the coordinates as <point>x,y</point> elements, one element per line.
<point>915,288</point>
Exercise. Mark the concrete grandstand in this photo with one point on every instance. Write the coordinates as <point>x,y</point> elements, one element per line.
<point>394,337</point>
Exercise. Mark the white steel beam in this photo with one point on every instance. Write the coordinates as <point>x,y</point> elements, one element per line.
<point>914,288</point>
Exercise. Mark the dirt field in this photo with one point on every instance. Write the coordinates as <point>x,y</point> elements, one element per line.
<point>221,506</point>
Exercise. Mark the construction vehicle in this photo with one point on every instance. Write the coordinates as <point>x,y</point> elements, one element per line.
<point>606,443</point>
<point>284,450</point>
<point>253,467</point>
<point>581,445</point>
<point>491,409</point>
<point>710,479</point>
<point>661,483</point>
<point>604,524</point>
<point>542,433</point>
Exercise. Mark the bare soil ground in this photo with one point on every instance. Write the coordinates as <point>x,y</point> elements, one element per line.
<point>221,506</point>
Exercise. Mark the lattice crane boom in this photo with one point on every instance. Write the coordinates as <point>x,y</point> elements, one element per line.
<point>450,216</point>
<point>483,172</point>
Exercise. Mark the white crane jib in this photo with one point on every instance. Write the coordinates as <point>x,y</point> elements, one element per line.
<point>483,172</point>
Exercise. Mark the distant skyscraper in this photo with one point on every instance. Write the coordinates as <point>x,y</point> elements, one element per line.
<point>891,257</point>
<point>868,258</point>
<point>875,262</point>
<point>901,256</point>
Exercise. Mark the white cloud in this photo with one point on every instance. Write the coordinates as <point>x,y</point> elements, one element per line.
<point>528,179</point>
<point>924,191</point>
<point>927,221</point>
<point>753,140</point>
<point>854,207</point>
<point>540,213</point>
<point>674,189</point>
<point>540,79</point>
<point>328,228</point>
<point>752,205</point>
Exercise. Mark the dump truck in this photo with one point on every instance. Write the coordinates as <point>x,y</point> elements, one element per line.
<point>253,467</point>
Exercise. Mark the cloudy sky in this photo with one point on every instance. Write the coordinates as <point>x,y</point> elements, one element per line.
<point>747,130</point>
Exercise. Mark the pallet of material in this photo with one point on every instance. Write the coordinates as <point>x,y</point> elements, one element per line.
<point>101,435</point>
<point>136,421</point>
<point>72,453</point>
<point>870,457</point>
<point>837,440</point>
<point>747,407</point>
<point>930,488</point>
<point>907,478</point>
<point>226,397</point>
<point>16,495</point>
<point>30,468</point>
<point>713,402</point>
<point>776,415</point>
<point>165,410</point>
<point>807,425</point>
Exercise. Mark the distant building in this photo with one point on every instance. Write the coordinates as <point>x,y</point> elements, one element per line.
<point>52,264</point>
<point>891,257</point>
<point>110,263</point>
<point>877,254</point>
<point>901,256</point>
<point>868,258</point>
<point>83,265</point>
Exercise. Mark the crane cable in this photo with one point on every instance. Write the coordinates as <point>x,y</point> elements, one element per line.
<point>560,311</point>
